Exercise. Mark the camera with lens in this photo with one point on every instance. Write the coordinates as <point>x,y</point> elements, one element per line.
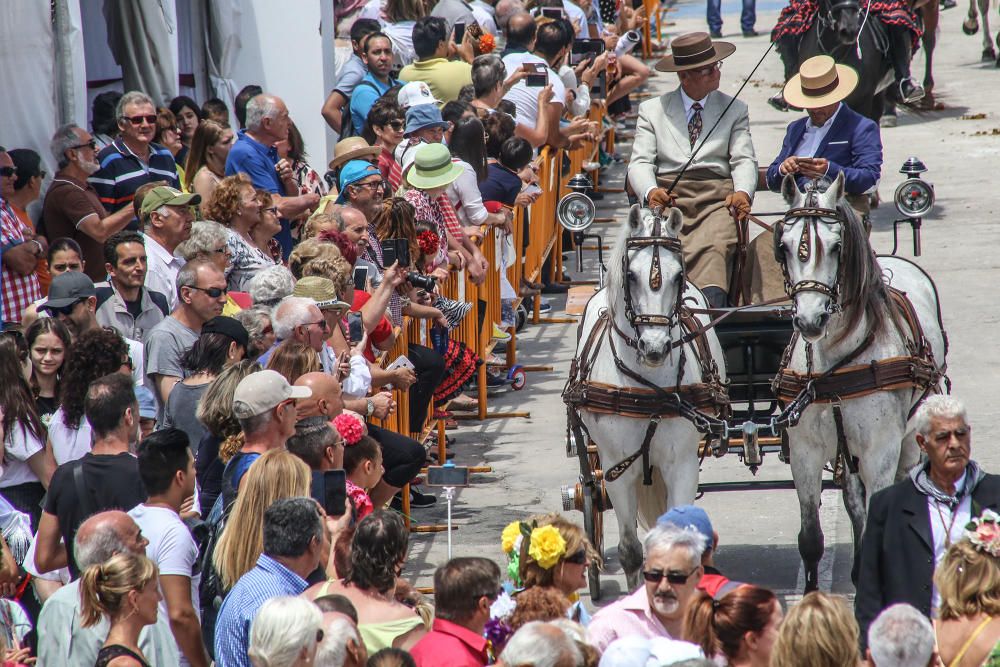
<point>420,281</point>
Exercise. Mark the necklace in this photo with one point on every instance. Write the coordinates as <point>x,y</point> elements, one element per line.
<point>949,525</point>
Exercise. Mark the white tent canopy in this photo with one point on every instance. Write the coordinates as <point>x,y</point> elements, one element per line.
<point>57,55</point>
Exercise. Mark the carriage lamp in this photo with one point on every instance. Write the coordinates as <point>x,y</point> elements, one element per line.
<point>914,198</point>
<point>576,213</point>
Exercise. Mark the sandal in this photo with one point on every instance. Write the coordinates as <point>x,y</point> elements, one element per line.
<point>463,404</point>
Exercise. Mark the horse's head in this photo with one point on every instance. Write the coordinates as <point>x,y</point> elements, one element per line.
<point>651,278</point>
<point>808,244</point>
<point>843,18</point>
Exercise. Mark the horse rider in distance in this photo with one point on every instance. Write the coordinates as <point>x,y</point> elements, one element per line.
<point>834,139</point>
<point>718,186</point>
<point>903,27</point>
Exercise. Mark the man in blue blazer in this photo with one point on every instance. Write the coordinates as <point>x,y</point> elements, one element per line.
<point>834,138</point>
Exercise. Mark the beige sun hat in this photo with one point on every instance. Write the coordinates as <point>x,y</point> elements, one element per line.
<point>820,81</point>
<point>353,148</point>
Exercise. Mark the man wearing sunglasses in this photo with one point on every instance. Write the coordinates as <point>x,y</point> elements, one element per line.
<point>72,207</point>
<point>670,572</point>
<point>717,187</point>
<point>132,159</point>
<point>20,247</point>
<point>73,301</point>
<point>201,295</point>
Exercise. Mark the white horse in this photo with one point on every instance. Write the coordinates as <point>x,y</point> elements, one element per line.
<point>645,287</point>
<point>970,26</point>
<point>842,306</point>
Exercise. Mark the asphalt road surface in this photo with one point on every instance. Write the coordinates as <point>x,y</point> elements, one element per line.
<point>960,145</point>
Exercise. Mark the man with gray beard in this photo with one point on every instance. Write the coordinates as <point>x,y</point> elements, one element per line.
<point>671,572</point>
<point>72,207</point>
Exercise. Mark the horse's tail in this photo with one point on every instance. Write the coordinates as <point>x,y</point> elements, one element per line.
<point>652,501</point>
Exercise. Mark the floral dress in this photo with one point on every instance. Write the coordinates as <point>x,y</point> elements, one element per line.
<point>248,260</point>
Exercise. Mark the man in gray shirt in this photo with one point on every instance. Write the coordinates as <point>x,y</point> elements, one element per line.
<point>454,11</point>
<point>201,295</point>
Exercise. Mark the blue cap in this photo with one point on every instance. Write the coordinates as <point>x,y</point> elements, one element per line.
<point>147,403</point>
<point>684,516</point>
<point>423,116</point>
<point>354,171</point>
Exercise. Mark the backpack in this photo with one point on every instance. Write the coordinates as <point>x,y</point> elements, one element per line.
<point>347,128</point>
<point>211,591</point>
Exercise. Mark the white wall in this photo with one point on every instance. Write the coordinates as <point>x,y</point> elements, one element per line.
<point>288,31</point>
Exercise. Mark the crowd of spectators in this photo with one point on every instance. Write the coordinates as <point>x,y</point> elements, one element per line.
<point>193,326</point>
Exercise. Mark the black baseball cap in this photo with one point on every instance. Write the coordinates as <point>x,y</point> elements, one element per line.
<point>228,326</point>
<point>68,288</point>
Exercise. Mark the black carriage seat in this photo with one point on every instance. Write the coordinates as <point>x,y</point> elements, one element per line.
<point>753,341</point>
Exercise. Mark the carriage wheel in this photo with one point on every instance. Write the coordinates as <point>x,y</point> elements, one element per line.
<point>593,522</point>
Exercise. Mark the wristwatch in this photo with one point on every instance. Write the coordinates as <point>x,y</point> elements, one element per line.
<point>369,407</point>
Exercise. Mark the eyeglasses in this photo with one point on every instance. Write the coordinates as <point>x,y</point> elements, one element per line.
<point>212,292</point>
<point>322,324</point>
<point>65,310</point>
<point>7,172</point>
<point>138,120</point>
<point>374,185</point>
<point>705,71</point>
<point>92,145</point>
<point>578,558</point>
<point>397,125</point>
<point>273,210</point>
<point>675,578</point>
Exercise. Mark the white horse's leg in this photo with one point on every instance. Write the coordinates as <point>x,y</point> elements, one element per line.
<point>625,501</point>
<point>984,9</point>
<point>808,454</point>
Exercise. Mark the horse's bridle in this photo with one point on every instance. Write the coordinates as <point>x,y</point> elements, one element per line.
<point>635,319</point>
<point>813,216</point>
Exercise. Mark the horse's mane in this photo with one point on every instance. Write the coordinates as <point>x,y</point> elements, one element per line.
<point>863,290</point>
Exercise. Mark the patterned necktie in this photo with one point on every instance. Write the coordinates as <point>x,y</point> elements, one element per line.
<point>694,125</point>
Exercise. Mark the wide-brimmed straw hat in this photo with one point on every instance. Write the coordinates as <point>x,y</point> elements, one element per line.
<point>432,168</point>
<point>693,50</point>
<point>820,81</point>
<point>352,148</point>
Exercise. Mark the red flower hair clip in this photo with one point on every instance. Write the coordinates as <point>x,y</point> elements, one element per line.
<point>349,427</point>
<point>428,242</point>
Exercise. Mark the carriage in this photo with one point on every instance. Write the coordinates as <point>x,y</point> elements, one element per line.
<point>740,381</point>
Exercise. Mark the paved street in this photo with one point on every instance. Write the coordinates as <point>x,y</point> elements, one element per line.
<point>960,145</point>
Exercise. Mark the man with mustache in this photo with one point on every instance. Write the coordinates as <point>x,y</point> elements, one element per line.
<point>912,523</point>
<point>72,207</point>
<point>671,572</point>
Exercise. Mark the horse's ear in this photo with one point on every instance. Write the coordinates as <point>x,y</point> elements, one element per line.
<point>635,217</point>
<point>837,188</point>
<point>674,221</point>
<point>789,189</point>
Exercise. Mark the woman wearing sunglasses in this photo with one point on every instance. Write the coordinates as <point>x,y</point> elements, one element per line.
<point>559,561</point>
<point>235,204</point>
<point>384,130</point>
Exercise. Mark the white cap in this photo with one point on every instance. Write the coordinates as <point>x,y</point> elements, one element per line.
<point>262,391</point>
<point>635,651</point>
<point>414,93</point>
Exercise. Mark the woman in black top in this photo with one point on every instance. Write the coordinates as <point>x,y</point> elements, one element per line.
<point>126,589</point>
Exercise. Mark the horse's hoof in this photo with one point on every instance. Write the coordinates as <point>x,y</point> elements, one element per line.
<point>989,55</point>
<point>970,27</point>
<point>889,120</point>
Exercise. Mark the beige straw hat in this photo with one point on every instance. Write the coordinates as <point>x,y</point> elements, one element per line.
<point>820,82</point>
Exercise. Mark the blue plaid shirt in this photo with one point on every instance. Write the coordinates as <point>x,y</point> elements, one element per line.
<point>269,579</point>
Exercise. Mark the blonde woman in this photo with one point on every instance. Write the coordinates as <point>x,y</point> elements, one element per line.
<point>124,588</point>
<point>820,631</point>
<point>276,474</point>
<point>968,579</point>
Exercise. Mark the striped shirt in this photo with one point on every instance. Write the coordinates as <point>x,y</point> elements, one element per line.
<point>122,173</point>
<point>269,579</point>
<point>19,291</point>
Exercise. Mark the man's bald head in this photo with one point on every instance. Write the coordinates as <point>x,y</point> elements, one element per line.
<point>521,30</point>
<point>327,397</point>
<point>105,534</point>
<point>504,10</point>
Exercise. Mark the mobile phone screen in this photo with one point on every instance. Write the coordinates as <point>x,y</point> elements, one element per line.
<point>459,32</point>
<point>335,492</point>
<point>360,277</point>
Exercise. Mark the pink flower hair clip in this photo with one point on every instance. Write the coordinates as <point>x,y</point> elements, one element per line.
<point>350,428</point>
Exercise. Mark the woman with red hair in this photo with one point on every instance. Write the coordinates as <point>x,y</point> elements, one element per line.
<point>739,629</point>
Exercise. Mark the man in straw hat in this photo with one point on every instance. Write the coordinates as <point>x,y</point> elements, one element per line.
<point>834,138</point>
<point>718,185</point>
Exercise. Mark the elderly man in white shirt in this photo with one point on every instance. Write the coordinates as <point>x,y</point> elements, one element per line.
<point>167,220</point>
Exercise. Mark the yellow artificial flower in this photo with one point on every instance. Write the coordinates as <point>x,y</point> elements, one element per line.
<point>547,546</point>
<point>508,538</point>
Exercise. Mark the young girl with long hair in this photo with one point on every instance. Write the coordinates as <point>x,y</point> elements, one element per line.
<point>48,342</point>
